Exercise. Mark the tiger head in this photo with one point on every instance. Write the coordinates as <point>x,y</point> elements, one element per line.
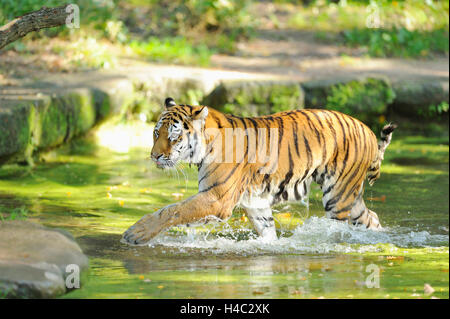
<point>177,135</point>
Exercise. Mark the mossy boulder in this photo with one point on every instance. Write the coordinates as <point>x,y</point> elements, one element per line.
<point>414,98</point>
<point>47,121</point>
<point>102,102</point>
<point>366,99</point>
<point>149,95</point>
<point>16,126</point>
<point>65,116</point>
<point>317,91</point>
<point>253,98</point>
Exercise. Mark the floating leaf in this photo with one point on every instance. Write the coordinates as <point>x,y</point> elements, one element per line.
<point>378,199</point>
<point>427,289</point>
<point>399,258</point>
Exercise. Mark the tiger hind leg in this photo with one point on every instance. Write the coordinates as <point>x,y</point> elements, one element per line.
<point>262,221</point>
<point>345,202</point>
<point>360,214</point>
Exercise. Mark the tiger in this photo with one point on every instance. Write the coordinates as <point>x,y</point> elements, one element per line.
<point>335,150</point>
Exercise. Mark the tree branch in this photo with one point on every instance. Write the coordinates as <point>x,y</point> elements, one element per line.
<point>33,21</point>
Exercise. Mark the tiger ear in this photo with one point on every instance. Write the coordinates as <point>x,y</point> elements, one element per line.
<point>169,102</point>
<point>200,113</point>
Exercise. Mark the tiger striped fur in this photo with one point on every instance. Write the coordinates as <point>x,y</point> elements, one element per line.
<point>330,148</point>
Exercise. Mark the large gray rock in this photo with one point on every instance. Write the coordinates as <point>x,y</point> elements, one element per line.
<point>34,260</point>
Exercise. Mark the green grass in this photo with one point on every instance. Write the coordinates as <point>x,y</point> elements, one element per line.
<point>409,28</point>
<point>86,52</point>
<point>176,50</point>
<point>17,213</point>
<point>398,42</point>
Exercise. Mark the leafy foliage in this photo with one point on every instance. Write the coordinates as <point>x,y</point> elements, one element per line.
<point>398,42</point>
<point>179,17</point>
<point>434,110</point>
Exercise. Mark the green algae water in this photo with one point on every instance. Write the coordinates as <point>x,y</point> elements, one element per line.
<point>98,186</point>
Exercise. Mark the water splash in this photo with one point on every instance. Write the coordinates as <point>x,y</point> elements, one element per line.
<point>316,235</point>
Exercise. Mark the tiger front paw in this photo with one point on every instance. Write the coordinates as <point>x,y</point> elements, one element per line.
<point>135,236</point>
<point>141,232</point>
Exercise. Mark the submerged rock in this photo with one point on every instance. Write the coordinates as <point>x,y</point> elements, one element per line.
<point>35,261</point>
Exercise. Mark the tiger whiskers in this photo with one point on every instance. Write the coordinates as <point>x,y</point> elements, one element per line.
<point>174,165</point>
<point>180,166</point>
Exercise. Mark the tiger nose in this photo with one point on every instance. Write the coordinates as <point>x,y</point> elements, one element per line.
<point>155,156</point>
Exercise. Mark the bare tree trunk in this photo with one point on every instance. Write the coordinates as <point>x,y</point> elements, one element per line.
<point>33,21</point>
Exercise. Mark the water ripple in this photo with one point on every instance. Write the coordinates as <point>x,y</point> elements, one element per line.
<point>315,235</point>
